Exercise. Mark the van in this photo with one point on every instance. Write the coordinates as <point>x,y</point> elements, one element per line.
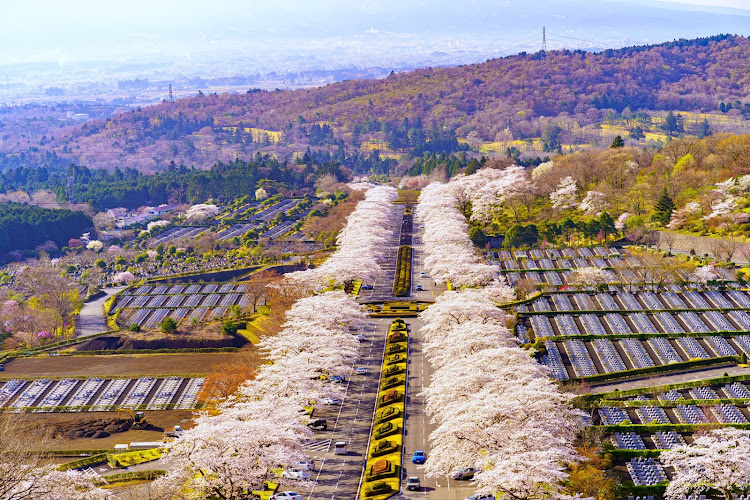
<point>339,448</point>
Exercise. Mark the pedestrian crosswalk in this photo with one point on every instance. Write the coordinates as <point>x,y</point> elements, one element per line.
<point>320,445</point>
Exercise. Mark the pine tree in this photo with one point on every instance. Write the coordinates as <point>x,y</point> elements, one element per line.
<point>663,208</point>
<point>704,129</point>
<point>618,142</point>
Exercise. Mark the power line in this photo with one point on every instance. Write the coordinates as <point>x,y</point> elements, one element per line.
<point>584,40</point>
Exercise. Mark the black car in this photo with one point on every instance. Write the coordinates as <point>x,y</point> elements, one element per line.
<point>318,425</point>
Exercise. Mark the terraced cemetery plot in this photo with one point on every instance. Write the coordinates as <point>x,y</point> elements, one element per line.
<point>553,267</point>
<point>97,394</point>
<point>177,233</point>
<point>148,305</point>
<point>591,333</point>
<point>632,420</point>
<point>259,219</point>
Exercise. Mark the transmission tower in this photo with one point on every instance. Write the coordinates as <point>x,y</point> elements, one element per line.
<point>171,98</point>
<point>544,39</point>
<point>71,181</point>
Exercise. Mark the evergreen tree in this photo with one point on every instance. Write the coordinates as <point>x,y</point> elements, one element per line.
<point>663,208</point>
<point>704,129</point>
<point>637,133</point>
<point>673,123</point>
<point>618,142</point>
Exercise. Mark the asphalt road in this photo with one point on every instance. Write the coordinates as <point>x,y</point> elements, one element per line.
<point>674,378</point>
<point>91,320</point>
<point>418,426</point>
<point>338,476</point>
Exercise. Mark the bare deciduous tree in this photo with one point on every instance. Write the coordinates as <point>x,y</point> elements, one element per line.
<point>667,239</point>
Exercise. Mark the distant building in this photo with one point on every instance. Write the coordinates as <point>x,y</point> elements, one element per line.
<point>124,217</point>
<point>82,117</point>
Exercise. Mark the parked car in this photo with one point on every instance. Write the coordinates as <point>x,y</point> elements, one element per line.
<point>361,337</point>
<point>287,495</point>
<point>419,457</point>
<point>419,288</point>
<point>412,484</point>
<point>481,496</point>
<point>422,274</point>
<point>318,425</point>
<point>465,473</point>
<point>361,370</point>
<point>306,465</point>
<point>339,379</point>
<point>366,287</point>
<point>330,401</point>
<point>296,474</point>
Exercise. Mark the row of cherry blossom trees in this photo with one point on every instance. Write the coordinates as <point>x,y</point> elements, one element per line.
<point>239,446</point>
<point>716,460</point>
<point>495,407</point>
<point>361,244</point>
<point>451,256</point>
<point>261,429</point>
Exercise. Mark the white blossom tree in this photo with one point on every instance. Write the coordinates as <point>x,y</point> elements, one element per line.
<point>587,276</point>
<point>361,244</point>
<point>201,212</point>
<point>564,196</point>
<point>495,407</point>
<point>621,220</point>
<point>594,203</point>
<point>704,274</point>
<point>236,451</point>
<point>716,460</point>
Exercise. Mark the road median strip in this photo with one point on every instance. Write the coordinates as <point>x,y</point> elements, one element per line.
<point>382,477</point>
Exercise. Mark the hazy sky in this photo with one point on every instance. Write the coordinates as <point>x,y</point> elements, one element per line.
<point>66,30</point>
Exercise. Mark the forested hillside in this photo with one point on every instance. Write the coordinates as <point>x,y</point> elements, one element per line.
<point>557,99</point>
<point>26,226</point>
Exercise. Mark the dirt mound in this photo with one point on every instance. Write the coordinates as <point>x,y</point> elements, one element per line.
<point>95,428</point>
<point>120,342</point>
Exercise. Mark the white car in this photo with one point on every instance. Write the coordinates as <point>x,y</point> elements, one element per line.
<point>330,401</point>
<point>361,371</point>
<point>296,474</point>
<point>287,495</point>
<point>306,465</point>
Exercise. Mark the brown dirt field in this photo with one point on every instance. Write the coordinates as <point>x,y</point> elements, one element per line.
<point>49,422</point>
<point>125,364</point>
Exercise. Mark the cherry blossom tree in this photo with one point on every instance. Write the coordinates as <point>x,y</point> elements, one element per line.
<point>565,195</point>
<point>125,276</point>
<point>495,407</point>
<point>621,220</point>
<point>451,256</point>
<point>236,451</point>
<point>361,244</point>
<point>594,203</point>
<point>588,276</point>
<point>489,195</point>
<point>685,215</point>
<point>95,246</point>
<point>704,274</point>
<point>201,212</point>
<point>542,169</point>
<point>716,460</point>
